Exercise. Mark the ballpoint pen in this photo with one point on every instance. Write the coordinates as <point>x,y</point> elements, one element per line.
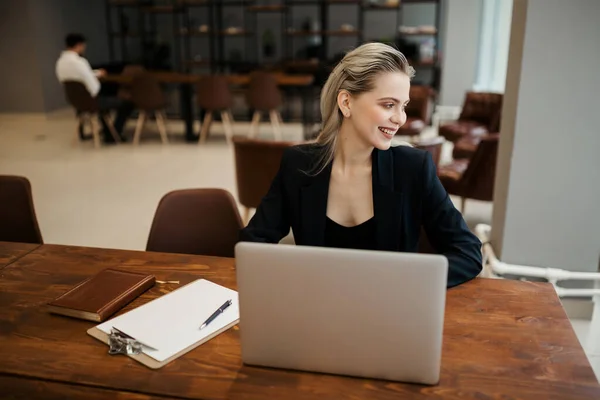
<point>216,314</point>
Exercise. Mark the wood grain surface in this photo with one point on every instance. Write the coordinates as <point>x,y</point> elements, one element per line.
<point>29,389</point>
<point>10,252</point>
<point>502,340</point>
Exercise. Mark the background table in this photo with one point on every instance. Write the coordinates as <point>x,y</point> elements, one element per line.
<point>186,82</point>
<point>502,340</point>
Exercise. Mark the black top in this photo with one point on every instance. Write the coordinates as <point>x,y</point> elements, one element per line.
<point>361,236</point>
<point>408,198</point>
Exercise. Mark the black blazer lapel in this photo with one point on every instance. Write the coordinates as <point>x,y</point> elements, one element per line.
<point>387,203</point>
<point>313,198</point>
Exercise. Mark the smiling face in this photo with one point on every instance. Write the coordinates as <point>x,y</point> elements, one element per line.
<point>376,115</point>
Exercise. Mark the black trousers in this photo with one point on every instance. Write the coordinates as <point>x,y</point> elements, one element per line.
<point>123,108</point>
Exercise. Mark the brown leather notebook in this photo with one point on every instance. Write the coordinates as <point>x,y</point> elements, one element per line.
<point>102,295</point>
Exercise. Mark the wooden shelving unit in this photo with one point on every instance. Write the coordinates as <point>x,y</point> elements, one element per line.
<point>134,3</point>
<point>267,8</point>
<point>380,7</point>
<point>216,34</point>
<point>194,33</point>
<point>128,34</point>
<point>162,9</point>
<point>324,33</point>
<point>192,3</point>
<point>240,33</point>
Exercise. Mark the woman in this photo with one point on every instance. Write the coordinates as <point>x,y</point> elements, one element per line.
<point>350,189</point>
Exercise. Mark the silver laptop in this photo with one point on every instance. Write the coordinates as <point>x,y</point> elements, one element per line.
<point>361,313</point>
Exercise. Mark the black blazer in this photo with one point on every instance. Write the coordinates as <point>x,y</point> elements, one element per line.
<point>407,195</point>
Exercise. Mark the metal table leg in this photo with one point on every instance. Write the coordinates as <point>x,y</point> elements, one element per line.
<point>187,112</point>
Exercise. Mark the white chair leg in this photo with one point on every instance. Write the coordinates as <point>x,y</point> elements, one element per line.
<point>254,124</point>
<point>274,114</point>
<point>138,128</point>
<point>205,126</point>
<point>162,127</point>
<point>227,125</point>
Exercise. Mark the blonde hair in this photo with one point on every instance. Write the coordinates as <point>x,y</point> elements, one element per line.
<point>356,73</point>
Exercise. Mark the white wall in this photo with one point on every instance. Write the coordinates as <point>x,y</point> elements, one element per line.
<point>51,22</point>
<point>460,49</point>
<point>34,33</point>
<point>548,188</point>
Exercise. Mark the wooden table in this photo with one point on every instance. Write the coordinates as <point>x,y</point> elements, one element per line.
<point>234,79</point>
<point>11,252</point>
<point>186,81</point>
<point>503,340</point>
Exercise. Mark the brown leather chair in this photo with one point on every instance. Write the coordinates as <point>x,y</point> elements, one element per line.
<point>124,92</point>
<point>432,145</point>
<point>480,115</point>
<point>87,110</point>
<point>263,95</point>
<point>256,164</point>
<point>466,147</point>
<point>474,178</point>
<point>213,94</point>
<point>417,111</point>
<point>196,221</point>
<point>148,97</point>
<point>18,222</point>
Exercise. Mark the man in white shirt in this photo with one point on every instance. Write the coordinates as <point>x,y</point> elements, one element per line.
<point>71,66</point>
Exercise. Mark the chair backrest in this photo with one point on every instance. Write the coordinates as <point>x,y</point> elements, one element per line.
<point>18,222</point>
<point>478,179</point>
<point>212,93</point>
<point>78,96</point>
<point>263,93</point>
<point>256,164</point>
<point>196,221</point>
<point>146,92</point>
<point>124,91</point>
<point>434,146</point>
<point>484,108</point>
<point>420,104</point>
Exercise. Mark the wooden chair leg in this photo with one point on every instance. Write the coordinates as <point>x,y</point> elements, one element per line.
<point>95,130</point>
<point>138,128</point>
<point>246,215</point>
<point>254,125</point>
<point>205,126</point>
<point>274,114</point>
<point>111,128</point>
<point>227,125</point>
<point>162,127</point>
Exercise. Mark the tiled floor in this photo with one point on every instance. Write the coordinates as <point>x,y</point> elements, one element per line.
<point>107,197</point>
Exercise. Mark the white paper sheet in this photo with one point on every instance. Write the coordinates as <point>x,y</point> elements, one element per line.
<point>171,323</point>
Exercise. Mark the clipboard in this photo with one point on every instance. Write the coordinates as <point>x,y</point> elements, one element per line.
<point>184,295</point>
